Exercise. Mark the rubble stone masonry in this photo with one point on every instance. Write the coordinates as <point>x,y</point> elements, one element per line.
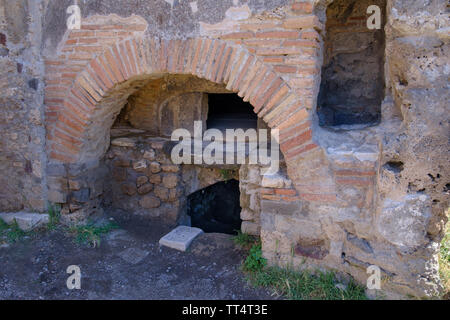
<point>345,198</point>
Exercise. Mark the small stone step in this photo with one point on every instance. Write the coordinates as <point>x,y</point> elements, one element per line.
<point>180,238</point>
<point>133,255</point>
<point>26,221</point>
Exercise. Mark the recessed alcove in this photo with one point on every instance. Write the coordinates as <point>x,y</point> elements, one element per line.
<point>352,87</point>
<point>145,182</point>
<point>229,111</point>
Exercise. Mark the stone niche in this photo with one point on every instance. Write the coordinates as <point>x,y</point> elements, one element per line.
<point>143,182</point>
<point>168,103</point>
<point>352,87</point>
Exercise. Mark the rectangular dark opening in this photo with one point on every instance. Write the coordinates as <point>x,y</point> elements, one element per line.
<point>229,111</point>
<point>352,87</point>
<point>216,208</point>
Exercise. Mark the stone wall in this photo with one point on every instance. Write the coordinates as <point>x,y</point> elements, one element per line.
<point>378,211</point>
<point>22,154</point>
<point>250,185</point>
<point>344,199</point>
<point>144,182</point>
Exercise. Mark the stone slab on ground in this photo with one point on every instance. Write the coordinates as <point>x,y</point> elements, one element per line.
<point>133,255</point>
<point>25,220</point>
<point>180,238</point>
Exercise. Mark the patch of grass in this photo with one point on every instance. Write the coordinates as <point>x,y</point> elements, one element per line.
<point>244,240</point>
<point>3,226</point>
<point>305,285</point>
<point>227,174</point>
<point>90,234</point>
<point>3,231</point>
<point>15,233</point>
<point>54,216</point>
<point>11,233</point>
<point>293,284</point>
<point>444,258</point>
<point>255,262</point>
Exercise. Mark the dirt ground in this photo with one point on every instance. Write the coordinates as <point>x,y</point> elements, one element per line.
<point>128,264</point>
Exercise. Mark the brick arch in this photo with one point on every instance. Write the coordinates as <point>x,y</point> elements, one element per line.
<point>139,57</point>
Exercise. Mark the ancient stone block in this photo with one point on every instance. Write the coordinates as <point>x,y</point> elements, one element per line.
<point>362,244</point>
<point>155,179</point>
<point>180,238</point>
<point>141,180</point>
<point>133,255</point>
<point>123,142</point>
<point>155,167</point>
<point>283,208</point>
<point>273,181</point>
<point>149,155</point>
<point>250,228</point>
<point>247,214</point>
<point>174,194</point>
<point>140,166</point>
<point>404,223</point>
<point>55,196</point>
<point>170,181</point>
<point>311,248</point>
<point>149,202</point>
<point>170,168</point>
<point>146,188</point>
<point>162,193</point>
<point>81,195</point>
<point>267,221</point>
<point>25,221</point>
<point>129,189</point>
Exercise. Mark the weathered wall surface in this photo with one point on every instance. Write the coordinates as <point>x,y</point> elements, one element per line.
<point>391,189</point>
<point>144,181</point>
<point>418,70</point>
<point>22,155</point>
<point>349,199</point>
<point>179,20</point>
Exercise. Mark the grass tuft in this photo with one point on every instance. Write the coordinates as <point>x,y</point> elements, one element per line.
<point>11,233</point>
<point>305,285</point>
<point>91,234</point>
<point>15,233</point>
<point>244,240</point>
<point>54,216</point>
<point>255,262</point>
<point>293,284</point>
<point>444,258</point>
<point>3,226</point>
